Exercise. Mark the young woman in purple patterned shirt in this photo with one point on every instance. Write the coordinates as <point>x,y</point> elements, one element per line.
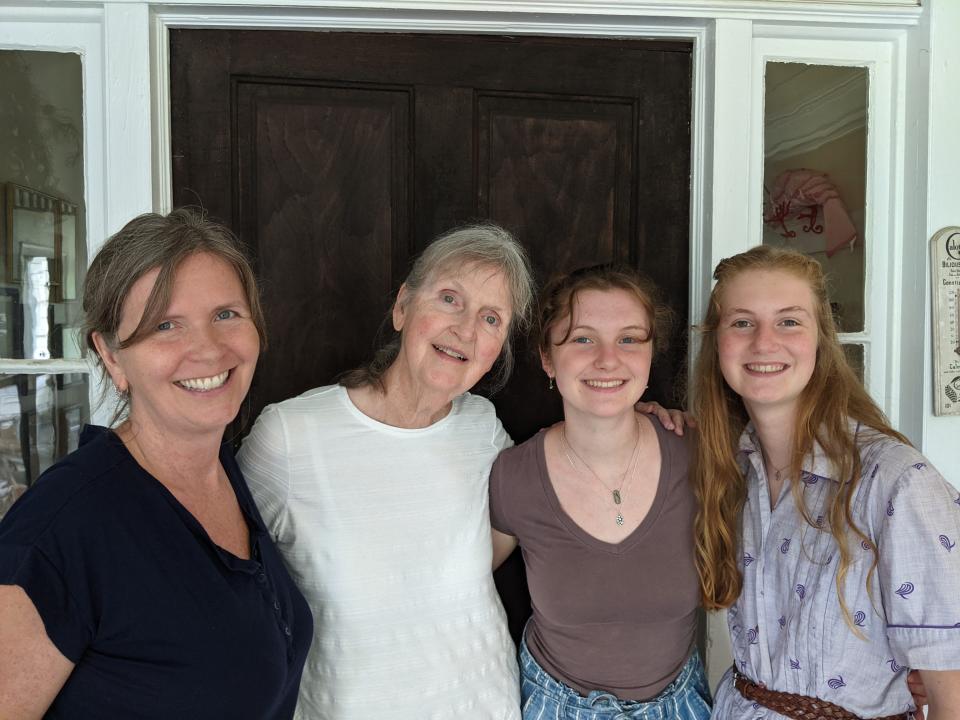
<point>828,537</point>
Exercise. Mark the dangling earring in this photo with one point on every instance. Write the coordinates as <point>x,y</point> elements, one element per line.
<point>122,395</point>
<point>550,385</point>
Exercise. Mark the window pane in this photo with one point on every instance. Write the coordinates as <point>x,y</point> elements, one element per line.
<point>42,241</point>
<point>854,355</point>
<point>815,143</point>
<point>40,421</point>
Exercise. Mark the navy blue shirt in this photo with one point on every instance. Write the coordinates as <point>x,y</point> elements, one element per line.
<point>160,621</point>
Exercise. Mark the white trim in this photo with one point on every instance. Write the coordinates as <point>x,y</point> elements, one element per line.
<point>883,12</point>
<point>127,82</point>
<point>701,149</point>
<point>733,133</point>
<point>43,367</point>
<point>160,115</point>
<point>42,15</point>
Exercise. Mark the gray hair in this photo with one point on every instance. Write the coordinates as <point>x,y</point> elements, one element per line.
<point>482,244</point>
<point>148,242</point>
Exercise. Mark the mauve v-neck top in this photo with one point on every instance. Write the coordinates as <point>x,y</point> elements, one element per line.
<point>614,617</point>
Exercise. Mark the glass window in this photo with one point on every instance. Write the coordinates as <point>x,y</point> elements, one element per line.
<point>41,180</point>
<point>815,144</point>
<point>855,357</point>
<point>40,421</point>
<point>42,265</point>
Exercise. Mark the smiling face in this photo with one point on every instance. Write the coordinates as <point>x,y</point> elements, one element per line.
<point>189,375</point>
<point>453,330</point>
<point>767,339</point>
<point>603,364</point>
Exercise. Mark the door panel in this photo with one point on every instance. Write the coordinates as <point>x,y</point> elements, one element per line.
<point>337,156</point>
<point>322,170</point>
<point>561,166</point>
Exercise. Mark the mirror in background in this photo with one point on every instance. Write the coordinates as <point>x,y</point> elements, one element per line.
<point>42,243</point>
<point>814,181</point>
<point>40,421</point>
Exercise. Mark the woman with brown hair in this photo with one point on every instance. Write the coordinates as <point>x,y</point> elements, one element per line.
<point>137,579</point>
<point>602,509</point>
<point>826,535</point>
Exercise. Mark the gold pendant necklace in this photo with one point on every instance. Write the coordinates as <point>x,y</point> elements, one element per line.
<point>615,493</point>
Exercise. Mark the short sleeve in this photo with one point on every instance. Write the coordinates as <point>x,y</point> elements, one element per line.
<point>919,567</point>
<point>49,557</point>
<point>264,461</point>
<point>501,440</point>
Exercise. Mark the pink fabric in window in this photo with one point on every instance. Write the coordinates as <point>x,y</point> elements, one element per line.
<point>809,188</point>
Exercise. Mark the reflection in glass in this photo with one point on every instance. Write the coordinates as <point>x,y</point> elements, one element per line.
<point>854,355</point>
<point>42,244</point>
<point>40,421</point>
<point>815,174</point>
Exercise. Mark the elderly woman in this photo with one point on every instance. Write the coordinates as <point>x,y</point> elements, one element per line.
<point>137,579</point>
<point>375,491</point>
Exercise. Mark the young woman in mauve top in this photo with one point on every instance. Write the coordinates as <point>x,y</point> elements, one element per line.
<point>831,541</point>
<point>601,507</point>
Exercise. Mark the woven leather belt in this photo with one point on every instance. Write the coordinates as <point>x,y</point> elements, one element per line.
<point>796,706</point>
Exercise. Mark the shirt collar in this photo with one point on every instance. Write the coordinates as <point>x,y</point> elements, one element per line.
<point>816,464</point>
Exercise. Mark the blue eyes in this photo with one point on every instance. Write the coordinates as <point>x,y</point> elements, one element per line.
<point>630,340</point>
<point>746,324</point>
<point>167,325</point>
<point>448,298</point>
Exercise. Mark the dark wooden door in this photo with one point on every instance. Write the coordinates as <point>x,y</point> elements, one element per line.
<point>338,156</point>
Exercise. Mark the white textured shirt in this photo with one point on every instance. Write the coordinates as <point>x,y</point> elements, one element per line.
<point>386,532</point>
<point>787,628</point>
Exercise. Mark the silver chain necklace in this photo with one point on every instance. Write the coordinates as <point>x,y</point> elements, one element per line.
<point>617,492</point>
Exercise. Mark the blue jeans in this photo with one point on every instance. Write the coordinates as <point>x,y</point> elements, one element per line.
<point>543,698</point>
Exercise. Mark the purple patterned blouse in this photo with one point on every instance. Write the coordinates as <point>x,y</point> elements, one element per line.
<point>787,628</point>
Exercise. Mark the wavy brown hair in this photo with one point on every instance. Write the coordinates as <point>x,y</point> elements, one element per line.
<point>560,294</point>
<point>833,396</point>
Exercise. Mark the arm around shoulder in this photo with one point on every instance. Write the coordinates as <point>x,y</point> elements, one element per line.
<point>32,669</point>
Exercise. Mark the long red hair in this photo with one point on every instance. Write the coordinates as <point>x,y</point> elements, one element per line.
<point>833,396</point>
